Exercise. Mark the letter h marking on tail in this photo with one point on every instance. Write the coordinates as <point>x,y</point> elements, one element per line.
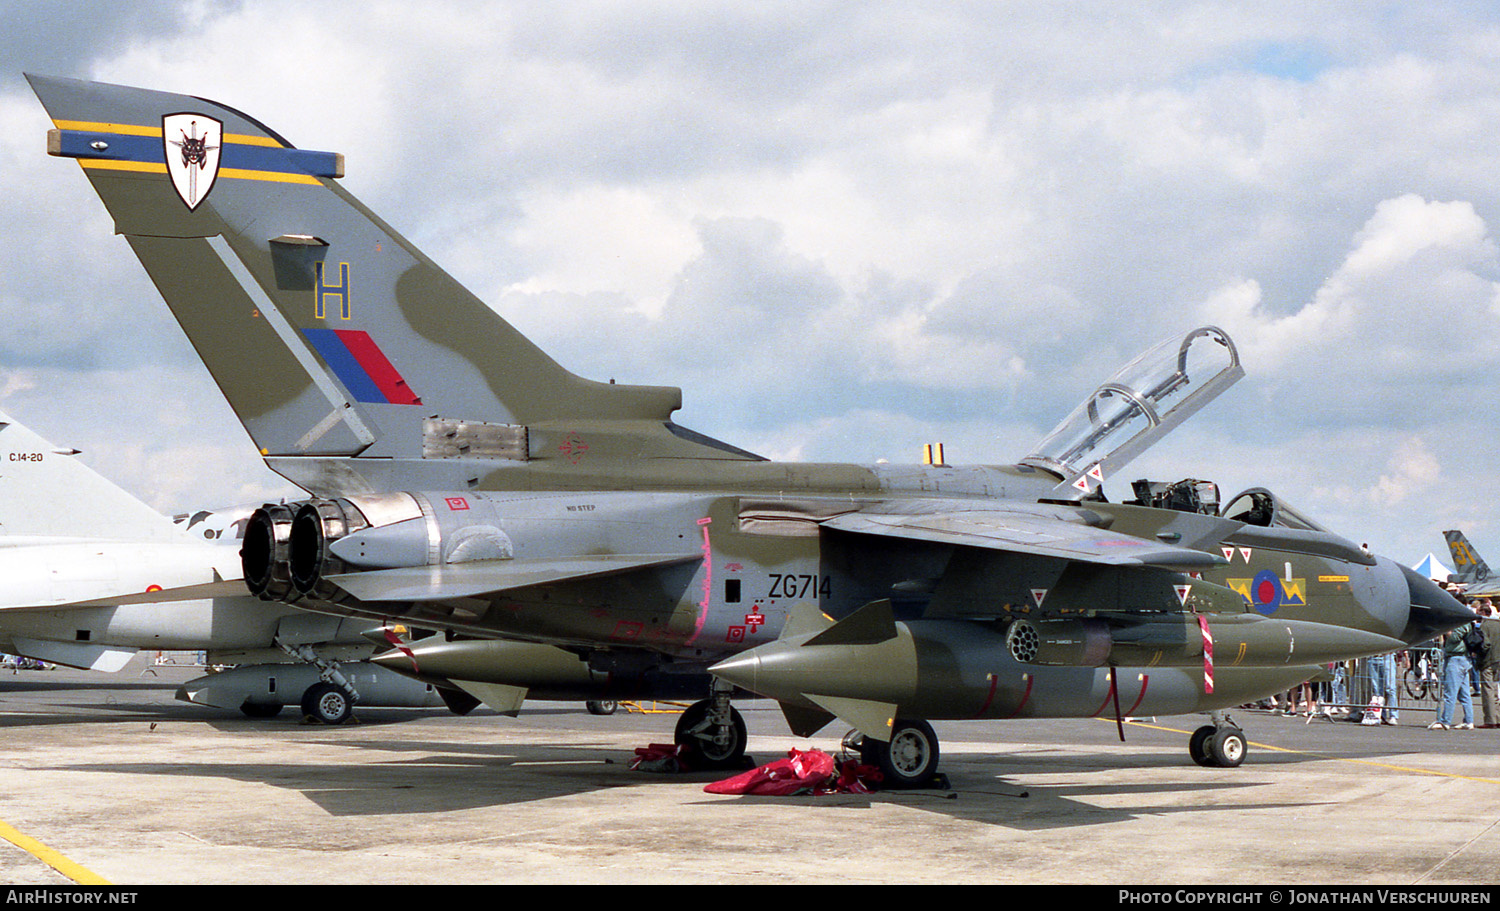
<point>340,291</point>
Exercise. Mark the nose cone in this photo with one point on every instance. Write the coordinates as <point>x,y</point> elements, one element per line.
<point>774,670</point>
<point>394,660</point>
<point>1432,610</point>
<point>740,670</point>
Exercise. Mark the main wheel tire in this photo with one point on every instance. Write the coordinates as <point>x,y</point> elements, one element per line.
<point>601,706</point>
<point>327,703</point>
<point>701,749</point>
<point>1198,745</point>
<point>1227,747</point>
<point>909,760</point>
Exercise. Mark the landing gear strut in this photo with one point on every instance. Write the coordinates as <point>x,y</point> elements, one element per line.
<point>1221,744</point>
<point>331,700</point>
<point>712,733</point>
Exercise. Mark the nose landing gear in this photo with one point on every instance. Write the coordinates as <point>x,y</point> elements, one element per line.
<point>712,733</point>
<point>1218,745</point>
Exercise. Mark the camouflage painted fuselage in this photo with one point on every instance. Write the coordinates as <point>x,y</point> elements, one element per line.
<point>466,483</point>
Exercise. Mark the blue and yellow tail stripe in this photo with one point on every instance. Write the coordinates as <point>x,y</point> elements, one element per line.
<point>131,147</point>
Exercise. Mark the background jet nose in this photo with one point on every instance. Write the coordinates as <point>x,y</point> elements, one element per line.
<point>1432,610</point>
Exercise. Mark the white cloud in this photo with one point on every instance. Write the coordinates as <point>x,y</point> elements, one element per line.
<point>1412,470</point>
<point>1415,295</point>
<point>592,239</point>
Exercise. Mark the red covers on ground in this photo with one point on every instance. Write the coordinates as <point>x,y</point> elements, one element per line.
<point>801,772</point>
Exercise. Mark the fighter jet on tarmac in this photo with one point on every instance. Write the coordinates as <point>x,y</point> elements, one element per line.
<point>464,482</point>
<point>1473,573</point>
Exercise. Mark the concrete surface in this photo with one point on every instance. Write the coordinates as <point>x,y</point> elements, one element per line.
<point>119,779</point>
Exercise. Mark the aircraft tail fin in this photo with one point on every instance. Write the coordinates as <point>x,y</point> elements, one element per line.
<point>45,492</point>
<point>1470,567</point>
<point>328,332</point>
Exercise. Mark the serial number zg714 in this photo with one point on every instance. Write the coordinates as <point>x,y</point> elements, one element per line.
<point>805,585</point>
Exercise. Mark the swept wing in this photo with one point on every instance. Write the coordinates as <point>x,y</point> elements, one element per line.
<point>1045,534</point>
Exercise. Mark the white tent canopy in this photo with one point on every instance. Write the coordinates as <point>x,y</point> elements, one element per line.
<point>1433,568</point>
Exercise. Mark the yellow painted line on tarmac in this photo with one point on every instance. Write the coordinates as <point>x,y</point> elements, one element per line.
<point>78,874</point>
<point>1276,749</point>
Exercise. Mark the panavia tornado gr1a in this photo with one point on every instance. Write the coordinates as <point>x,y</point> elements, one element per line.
<point>566,538</point>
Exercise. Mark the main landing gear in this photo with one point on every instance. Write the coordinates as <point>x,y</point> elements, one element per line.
<point>1221,744</point>
<point>909,760</point>
<point>711,733</point>
<point>327,703</point>
<point>330,700</point>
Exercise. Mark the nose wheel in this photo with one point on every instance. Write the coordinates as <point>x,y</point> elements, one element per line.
<point>711,737</point>
<point>1218,746</point>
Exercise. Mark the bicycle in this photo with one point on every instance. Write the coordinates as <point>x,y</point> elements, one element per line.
<point>1422,675</point>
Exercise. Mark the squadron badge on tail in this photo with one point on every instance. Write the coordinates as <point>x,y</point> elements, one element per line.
<point>192,144</point>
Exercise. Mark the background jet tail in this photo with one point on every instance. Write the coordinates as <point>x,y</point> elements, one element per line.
<point>1470,567</point>
<point>46,492</point>
<point>327,331</point>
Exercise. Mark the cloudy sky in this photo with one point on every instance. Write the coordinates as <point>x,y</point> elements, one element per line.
<point>846,229</point>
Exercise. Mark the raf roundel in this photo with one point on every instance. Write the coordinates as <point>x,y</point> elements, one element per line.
<point>1265,592</point>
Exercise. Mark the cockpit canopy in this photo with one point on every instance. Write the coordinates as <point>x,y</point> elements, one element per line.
<point>1258,506</point>
<point>1140,404</point>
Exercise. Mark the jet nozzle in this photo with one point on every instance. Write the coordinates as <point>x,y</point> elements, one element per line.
<point>264,555</point>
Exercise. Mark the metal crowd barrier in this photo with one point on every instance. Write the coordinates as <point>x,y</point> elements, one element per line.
<point>1419,684</point>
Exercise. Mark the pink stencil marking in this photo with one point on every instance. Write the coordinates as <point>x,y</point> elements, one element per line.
<point>708,580</point>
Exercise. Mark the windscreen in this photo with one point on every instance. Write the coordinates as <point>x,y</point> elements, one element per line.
<point>1258,506</point>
